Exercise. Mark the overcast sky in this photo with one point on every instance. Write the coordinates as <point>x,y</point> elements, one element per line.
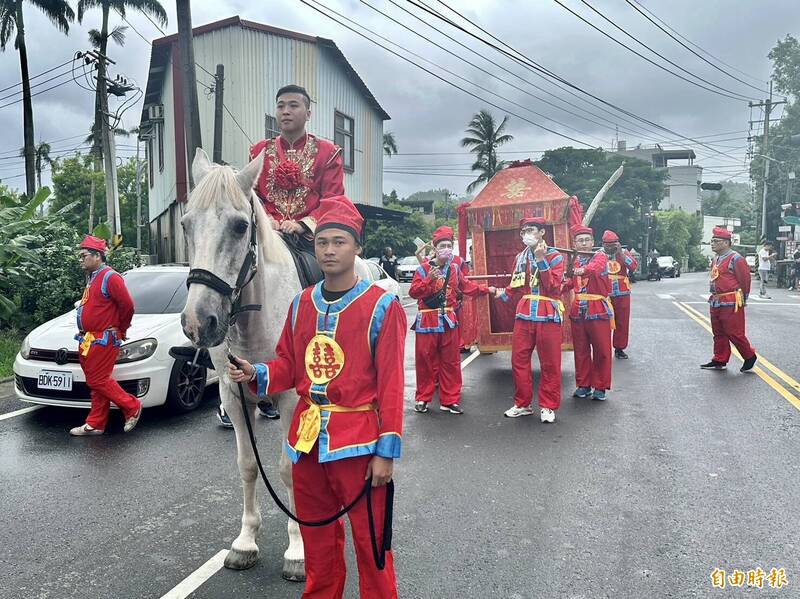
<point>429,116</point>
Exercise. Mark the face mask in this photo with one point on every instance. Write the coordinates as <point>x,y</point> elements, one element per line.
<point>445,253</point>
<point>529,239</point>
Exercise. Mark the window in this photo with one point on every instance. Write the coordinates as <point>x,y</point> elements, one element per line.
<point>160,128</point>
<point>343,137</point>
<point>270,127</point>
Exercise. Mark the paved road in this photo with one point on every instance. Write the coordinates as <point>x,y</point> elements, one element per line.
<point>679,472</point>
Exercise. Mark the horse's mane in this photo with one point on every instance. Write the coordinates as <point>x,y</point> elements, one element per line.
<point>220,183</point>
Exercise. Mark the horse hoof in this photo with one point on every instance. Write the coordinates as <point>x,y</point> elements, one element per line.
<point>294,570</point>
<point>241,560</point>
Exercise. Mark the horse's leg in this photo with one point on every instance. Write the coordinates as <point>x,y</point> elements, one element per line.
<point>244,550</point>
<point>294,557</point>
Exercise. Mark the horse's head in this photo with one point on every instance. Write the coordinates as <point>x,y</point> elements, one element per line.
<point>219,229</point>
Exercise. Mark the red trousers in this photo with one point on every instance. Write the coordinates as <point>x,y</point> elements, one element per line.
<point>622,315</point>
<point>97,365</point>
<point>437,359</point>
<point>545,337</point>
<point>321,490</point>
<point>591,341</point>
<point>727,325</point>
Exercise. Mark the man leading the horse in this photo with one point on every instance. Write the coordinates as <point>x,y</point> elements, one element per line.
<point>342,349</point>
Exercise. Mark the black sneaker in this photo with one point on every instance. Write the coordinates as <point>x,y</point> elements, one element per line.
<point>713,365</point>
<point>748,364</point>
<point>421,407</point>
<point>268,410</point>
<point>224,421</point>
<point>452,408</point>
<point>620,354</point>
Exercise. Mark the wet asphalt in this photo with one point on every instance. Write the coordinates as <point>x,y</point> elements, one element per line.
<point>680,472</point>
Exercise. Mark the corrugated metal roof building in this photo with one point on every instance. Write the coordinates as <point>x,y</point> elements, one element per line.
<point>258,60</point>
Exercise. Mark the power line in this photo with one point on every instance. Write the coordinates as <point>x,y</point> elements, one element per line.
<point>520,58</point>
<point>707,53</point>
<point>726,93</point>
<point>37,75</point>
<point>237,124</point>
<point>37,93</point>
<point>583,143</point>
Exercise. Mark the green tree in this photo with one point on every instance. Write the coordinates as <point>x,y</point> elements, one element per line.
<point>126,181</point>
<point>483,138</point>
<point>785,57</point>
<point>678,234</point>
<point>399,235</point>
<point>12,24</point>
<point>72,183</point>
<point>389,144</point>
<point>582,173</point>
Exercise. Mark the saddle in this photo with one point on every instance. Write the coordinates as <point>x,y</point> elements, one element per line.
<point>302,251</point>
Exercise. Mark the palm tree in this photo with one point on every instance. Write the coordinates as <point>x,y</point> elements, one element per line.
<point>483,140</point>
<point>11,21</point>
<point>389,143</point>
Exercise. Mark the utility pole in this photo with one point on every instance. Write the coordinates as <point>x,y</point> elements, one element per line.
<point>191,112</point>
<point>219,82</point>
<point>138,198</point>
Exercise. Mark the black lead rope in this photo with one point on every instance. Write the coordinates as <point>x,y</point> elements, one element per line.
<point>379,554</point>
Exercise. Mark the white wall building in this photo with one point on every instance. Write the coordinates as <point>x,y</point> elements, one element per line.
<point>709,222</point>
<point>258,60</point>
<point>682,186</point>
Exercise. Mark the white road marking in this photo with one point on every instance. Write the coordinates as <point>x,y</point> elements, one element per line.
<point>469,359</point>
<point>20,412</point>
<point>409,304</point>
<point>703,296</point>
<point>751,305</point>
<point>665,296</point>
<point>192,582</point>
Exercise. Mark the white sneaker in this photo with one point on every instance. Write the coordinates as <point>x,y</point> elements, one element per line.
<point>548,415</point>
<point>84,430</point>
<point>131,422</point>
<point>516,412</point>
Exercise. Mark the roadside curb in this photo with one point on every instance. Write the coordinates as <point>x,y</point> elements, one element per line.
<point>6,380</point>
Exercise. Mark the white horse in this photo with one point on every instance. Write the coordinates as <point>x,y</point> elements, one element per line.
<point>221,211</point>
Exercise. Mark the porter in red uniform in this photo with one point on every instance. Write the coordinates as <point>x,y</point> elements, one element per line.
<point>730,287</point>
<point>342,350</point>
<point>592,316</point>
<point>436,286</point>
<point>536,287</point>
<point>621,264</point>
<point>104,316</point>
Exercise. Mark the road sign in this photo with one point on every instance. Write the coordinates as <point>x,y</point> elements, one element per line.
<point>781,239</point>
<point>784,227</point>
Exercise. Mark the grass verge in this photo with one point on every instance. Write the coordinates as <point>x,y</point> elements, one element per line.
<point>10,342</point>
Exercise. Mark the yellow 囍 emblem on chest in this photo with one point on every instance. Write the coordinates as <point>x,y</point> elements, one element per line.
<point>324,359</point>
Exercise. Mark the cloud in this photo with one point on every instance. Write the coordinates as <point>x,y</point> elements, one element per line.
<point>428,115</point>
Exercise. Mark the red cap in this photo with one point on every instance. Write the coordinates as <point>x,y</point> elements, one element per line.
<point>609,236</point>
<point>94,243</point>
<point>721,232</point>
<point>531,221</point>
<point>442,233</point>
<point>338,212</point>
<point>576,230</point>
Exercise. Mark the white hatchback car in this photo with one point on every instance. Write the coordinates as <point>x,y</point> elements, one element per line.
<point>46,370</point>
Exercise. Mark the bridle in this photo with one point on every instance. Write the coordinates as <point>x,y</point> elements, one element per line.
<point>247,273</point>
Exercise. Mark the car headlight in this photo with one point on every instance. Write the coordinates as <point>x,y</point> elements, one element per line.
<point>138,350</point>
<point>25,350</point>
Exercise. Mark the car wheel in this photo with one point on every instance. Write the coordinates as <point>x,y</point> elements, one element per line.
<point>678,274</point>
<point>187,383</point>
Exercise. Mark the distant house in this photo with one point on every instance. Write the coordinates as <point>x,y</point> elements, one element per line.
<point>682,186</point>
<point>258,60</point>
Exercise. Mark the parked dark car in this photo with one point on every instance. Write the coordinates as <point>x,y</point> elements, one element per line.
<point>669,266</point>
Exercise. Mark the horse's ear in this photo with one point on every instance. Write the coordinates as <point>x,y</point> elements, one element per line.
<point>201,165</point>
<point>248,176</point>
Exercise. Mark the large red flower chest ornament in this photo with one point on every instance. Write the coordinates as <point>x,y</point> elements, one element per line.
<point>288,175</point>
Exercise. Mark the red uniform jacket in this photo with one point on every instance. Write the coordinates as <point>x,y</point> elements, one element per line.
<point>545,280</point>
<point>348,353</point>
<point>320,164</point>
<point>729,273</point>
<point>593,281</point>
<point>105,305</point>
<point>428,281</point>
<point>619,269</point>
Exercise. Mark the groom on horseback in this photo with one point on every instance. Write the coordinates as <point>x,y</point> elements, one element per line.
<point>300,169</point>
<point>342,350</point>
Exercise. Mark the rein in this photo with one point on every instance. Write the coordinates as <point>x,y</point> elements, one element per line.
<point>247,273</point>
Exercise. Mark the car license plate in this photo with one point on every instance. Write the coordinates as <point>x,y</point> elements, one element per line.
<point>53,379</point>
